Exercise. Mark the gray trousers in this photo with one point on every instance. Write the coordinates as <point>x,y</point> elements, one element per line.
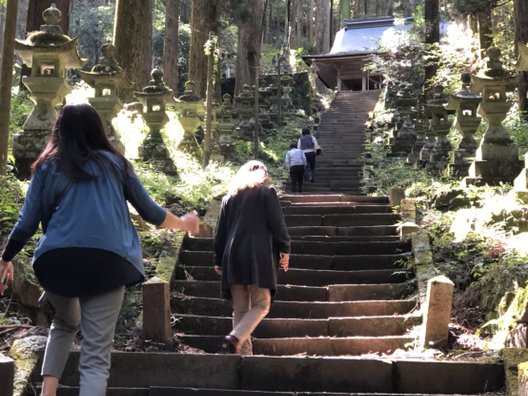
<point>96,317</point>
<point>250,305</point>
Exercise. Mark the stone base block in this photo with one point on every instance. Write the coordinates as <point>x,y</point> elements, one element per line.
<point>493,172</point>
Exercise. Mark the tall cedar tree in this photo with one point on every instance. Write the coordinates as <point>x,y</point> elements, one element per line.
<point>521,36</point>
<point>204,17</point>
<point>6,80</point>
<point>322,26</point>
<point>133,39</point>
<point>249,22</point>
<point>170,44</point>
<point>432,31</point>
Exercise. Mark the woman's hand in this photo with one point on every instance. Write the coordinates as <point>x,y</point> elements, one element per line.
<point>284,261</point>
<point>218,269</point>
<point>7,273</point>
<point>191,222</point>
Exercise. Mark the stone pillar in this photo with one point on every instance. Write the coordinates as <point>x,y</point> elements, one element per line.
<point>497,158</point>
<point>408,213</point>
<point>156,310</point>
<point>110,84</point>
<point>465,104</point>
<point>437,312</point>
<point>154,98</point>
<point>48,52</point>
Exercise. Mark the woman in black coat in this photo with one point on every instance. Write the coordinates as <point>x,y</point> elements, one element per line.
<point>251,241</point>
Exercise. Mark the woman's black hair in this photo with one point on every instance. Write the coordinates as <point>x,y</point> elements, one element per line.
<point>293,145</point>
<point>305,131</point>
<point>78,136</point>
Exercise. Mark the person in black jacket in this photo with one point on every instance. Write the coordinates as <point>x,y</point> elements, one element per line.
<point>251,241</point>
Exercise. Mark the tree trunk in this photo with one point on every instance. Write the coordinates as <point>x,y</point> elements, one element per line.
<point>6,80</point>
<point>432,31</point>
<point>345,9</point>
<point>521,37</point>
<point>311,27</point>
<point>248,53</point>
<point>2,23</point>
<point>133,39</point>
<point>204,18</point>
<point>185,11</point>
<point>485,29</point>
<point>170,44</point>
<point>322,26</point>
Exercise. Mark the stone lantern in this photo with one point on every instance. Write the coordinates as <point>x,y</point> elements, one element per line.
<point>226,126</point>
<point>109,81</point>
<point>405,137</point>
<point>154,98</point>
<point>48,52</point>
<point>245,103</point>
<point>191,114</point>
<point>419,130</point>
<point>286,86</point>
<point>465,104</point>
<point>440,126</point>
<point>497,158</point>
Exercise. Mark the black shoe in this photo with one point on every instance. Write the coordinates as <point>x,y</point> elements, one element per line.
<point>230,344</point>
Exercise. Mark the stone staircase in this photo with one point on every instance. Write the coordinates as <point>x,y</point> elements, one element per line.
<point>341,136</point>
<point>344,306</point>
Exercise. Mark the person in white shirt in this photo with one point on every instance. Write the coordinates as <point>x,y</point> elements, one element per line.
<point>308,144</point>
<point>296,163</point>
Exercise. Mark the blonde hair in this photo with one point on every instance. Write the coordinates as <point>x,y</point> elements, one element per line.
<point>251,174</point>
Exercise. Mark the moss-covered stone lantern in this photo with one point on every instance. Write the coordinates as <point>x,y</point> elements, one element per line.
<point>154,98</point>
<point>110,83</point>
<point>465,103</point>
<point>191,114</point>
<point>245,104</point>
<point>439,126</point>
<point>48,52</point>
<point>497,158</point>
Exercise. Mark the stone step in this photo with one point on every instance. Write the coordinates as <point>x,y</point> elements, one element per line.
<point>172,391</point>
<point>374,326</point>
<point>346,238</point>
<point>335,293</point>
<point>360,261</point>
<point>349,247</point>
<point>369,231</point>
<point>318,346</point>
<point>307,261</point>
<point>296,309</point>
<point>345,190</point>
<point>344,220</point>
<point>344,207</point>
<point>324,198</point>
<point>308,277</point>
<point>349,375</point>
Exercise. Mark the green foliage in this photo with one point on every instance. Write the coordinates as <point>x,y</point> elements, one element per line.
<point>11,199</point>
<point>517,127</point>
<point>93,27</point>
<point>470,7</point>
<point>21,106</point>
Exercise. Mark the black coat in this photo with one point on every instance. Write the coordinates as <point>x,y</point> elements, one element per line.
<point>250,235</point>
